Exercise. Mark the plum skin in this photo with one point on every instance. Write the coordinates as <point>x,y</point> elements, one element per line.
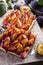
<point>35,4</point>
<point>40,20</point>
<point>27,1</point>
<point>41,10</point>
<point>17,6</point>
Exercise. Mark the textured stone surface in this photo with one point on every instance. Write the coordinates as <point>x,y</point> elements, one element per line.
<point>7,59</point>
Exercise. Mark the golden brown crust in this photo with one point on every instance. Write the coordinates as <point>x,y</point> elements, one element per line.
<point>17,37</point>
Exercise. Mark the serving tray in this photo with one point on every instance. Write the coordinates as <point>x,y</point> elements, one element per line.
<point>31,57</point>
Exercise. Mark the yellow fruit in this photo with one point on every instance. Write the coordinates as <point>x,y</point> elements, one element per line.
<point>40,49</point>
<point>24,8</point>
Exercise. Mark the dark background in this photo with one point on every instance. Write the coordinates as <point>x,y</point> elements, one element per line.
<point>35,63</point>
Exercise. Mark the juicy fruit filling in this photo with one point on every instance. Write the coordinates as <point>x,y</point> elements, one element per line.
<point>21,20</point>
<point>17,38</point>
